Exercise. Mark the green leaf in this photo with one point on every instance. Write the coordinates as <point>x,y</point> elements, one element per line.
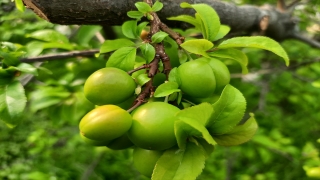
<point>135,14</point>
<point>178,165</point>
<point>208,148</point>
<point>129,29</point>
<point>189,126</point>
<point>239,134</point>
<point>166,89</point>
<point>49,35</point>
<point>148,51</point>
<point>112,45</point>
<point>142,79</point>
<point>260,42</point>
<point>85,34</point>
<point>12,102</point>
<point>223,31</point>
<point>20,5</point>
<point>158,37</point>
<point>27,68</point>
<point>157,6</point>
<point>201,113</point>
<point>9,59</point>
<point>174,77</point>
<point>47,96</point>
<point>228,111</point>
<point>197,46</point>
<point>233,54</point>
<point>210,20</point>
<point>141,26</point>
<point>143,7</point>
<point>187,19</point>
<point>123,58</point>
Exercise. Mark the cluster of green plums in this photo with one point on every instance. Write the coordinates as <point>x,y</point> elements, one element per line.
<point>149,129</point>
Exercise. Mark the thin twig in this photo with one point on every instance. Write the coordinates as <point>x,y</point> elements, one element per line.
<point>281,5</point>
<point>307,40</point>
<point>139,68</point>
<point>85,53</point>
<point>142,96</point>
<point>174,35</point>
<point>91,167</point>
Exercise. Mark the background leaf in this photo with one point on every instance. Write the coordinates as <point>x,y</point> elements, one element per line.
<point>49,35</point>
<point>12,102</point>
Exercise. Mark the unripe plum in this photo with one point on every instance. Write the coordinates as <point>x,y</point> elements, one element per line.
<point>197,78</point>
<point>153,126</point>
<point>109,86</point>
<point>105,123</point>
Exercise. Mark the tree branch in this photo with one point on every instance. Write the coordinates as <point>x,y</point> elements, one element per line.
<point>86,53</point>
<point>307,40</point>
<point>109,12</point>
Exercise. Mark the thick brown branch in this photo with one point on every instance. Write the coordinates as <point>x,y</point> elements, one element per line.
<point>70,54</point>
<point>164,58</point>
<point>110,12</point>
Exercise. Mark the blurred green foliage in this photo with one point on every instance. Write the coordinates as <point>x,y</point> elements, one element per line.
<point>46,144</point>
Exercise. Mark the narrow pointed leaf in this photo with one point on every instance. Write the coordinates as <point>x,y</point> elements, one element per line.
<point>260,42</point>
<point>187,19</point>
<point>209,18</point>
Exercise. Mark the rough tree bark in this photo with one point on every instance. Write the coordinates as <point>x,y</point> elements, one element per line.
<point>267,20</point>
